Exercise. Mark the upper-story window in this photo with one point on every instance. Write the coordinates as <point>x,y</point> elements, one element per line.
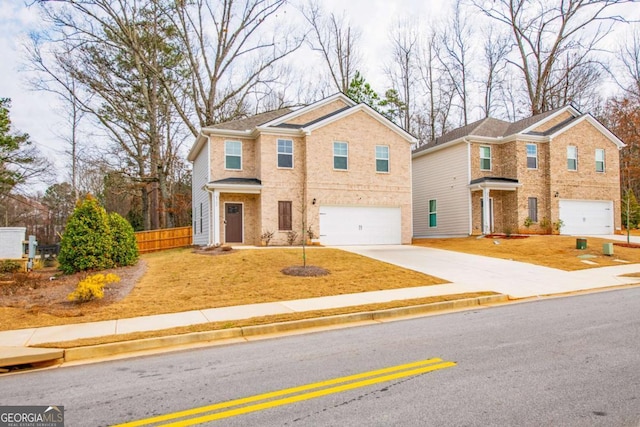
<point>233,155</point>
<point>532,156</point>
<point>572,158</point>
<point>485,158</point>
<point>340,155</point>
<point>382,158</point>
<point>285,153</point>
<point>599,160</point>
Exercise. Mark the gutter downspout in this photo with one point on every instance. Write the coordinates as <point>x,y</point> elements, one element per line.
<point>469,194</point>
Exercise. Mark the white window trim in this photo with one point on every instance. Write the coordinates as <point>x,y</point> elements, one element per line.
<point>278,153</point>
<point>429,213</point>
<point>234,155</point>
<point>604,164</point>
<point>536,157</point>
<point>484,158</point>
<point>574,158</point>
<point>387,159</point>
<point>340,155</point>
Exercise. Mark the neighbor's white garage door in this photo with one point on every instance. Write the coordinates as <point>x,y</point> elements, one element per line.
<point>586,217</point>
<point>347,225</point>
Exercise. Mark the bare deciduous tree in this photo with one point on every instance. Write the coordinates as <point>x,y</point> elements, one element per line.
<point>402,70</point>
<point>126,57</point>
<point>229,56</point>
<point>337,41</point>
<point>555,40</point>
<point>495,51</point>
<point>454,55</point>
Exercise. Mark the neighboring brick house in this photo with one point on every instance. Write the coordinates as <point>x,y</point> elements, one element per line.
<point>337,167</point>
<point>495,176</point>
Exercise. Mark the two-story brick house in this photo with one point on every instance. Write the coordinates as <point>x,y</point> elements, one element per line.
<point>560,167</point>
<point>335,167</point>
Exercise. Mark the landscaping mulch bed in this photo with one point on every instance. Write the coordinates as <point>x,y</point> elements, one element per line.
<point>45,290</point>
<point>213,250</point>
<point>504,236</point>
<point>305,271</point>
<point>627,245</point>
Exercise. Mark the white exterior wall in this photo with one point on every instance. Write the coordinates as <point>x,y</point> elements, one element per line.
<point>200,197</point>
<point>11,239</point>
<point>442,175</point>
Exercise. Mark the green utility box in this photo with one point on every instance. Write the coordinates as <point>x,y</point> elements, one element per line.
<point>607,249</point>
<point>581,243</point>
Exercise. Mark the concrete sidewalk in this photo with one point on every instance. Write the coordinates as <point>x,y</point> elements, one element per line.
<point>467,273</point>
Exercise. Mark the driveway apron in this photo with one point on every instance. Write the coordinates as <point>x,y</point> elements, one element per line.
<point>471,273</point>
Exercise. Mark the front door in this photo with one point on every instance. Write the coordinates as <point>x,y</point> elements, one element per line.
<point>233,222</point>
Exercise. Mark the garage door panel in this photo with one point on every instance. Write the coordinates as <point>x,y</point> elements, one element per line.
<point>587,216</point>
<point>347,225</point>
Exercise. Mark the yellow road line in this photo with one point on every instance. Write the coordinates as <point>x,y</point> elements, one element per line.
<point>195,411</point>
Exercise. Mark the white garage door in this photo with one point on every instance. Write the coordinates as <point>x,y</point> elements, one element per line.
<point>586,217</point>
<point>347,225</point>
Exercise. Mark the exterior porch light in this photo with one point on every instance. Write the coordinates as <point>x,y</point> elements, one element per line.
<point>556,194</point>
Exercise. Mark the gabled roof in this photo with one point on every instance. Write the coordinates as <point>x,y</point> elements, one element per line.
<point>281,122</point>
<point>499,130</point>
<point>250,123</point>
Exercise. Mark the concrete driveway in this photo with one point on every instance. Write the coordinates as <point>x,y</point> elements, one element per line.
<point>472,273</point>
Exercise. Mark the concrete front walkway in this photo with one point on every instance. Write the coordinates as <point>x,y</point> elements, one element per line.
<point>467,273</point>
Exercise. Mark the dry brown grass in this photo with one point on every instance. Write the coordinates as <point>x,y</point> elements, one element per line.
<point>180,280</point>
<point>263,320</point>
<point>549,251</point>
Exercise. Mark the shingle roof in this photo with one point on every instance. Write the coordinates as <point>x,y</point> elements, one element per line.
<point>238,181</point>
<point>521,125</point>
<point>494,128</point>
<point>487,127</point>
<point>494,179</point>
<point>251,122</point>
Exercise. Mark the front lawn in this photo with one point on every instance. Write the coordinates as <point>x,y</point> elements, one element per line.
<point>181,280</point>
<point>549,251</point>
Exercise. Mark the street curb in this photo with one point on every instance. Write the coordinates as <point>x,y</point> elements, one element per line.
<point>119,348</point>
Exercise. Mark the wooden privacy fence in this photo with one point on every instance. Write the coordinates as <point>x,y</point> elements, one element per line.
<point>168,238</point>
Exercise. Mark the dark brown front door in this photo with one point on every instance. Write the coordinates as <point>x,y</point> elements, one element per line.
<point>233,221</point>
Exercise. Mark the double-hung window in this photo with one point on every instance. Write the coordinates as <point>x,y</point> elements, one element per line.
<point>285,153</point>
<point>599,160</point>
<point>233,155</point>
<point>382,158</point>
<point>433,213</point>
<point>340,155</point>
<point>572,158</point>
<point>532,156</point>
<point>485,158</point>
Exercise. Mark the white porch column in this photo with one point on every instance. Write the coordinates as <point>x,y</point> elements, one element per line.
<point>486,211</point>
<point>216,217</point>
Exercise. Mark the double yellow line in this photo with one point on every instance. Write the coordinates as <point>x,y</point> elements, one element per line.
<point>313,390</point>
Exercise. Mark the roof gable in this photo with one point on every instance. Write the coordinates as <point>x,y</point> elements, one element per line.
<point>251,122</point>
<point>499,130</point>
<point>293,115</point>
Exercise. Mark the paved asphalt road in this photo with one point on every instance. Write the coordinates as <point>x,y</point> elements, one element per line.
<point>569,361</point>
